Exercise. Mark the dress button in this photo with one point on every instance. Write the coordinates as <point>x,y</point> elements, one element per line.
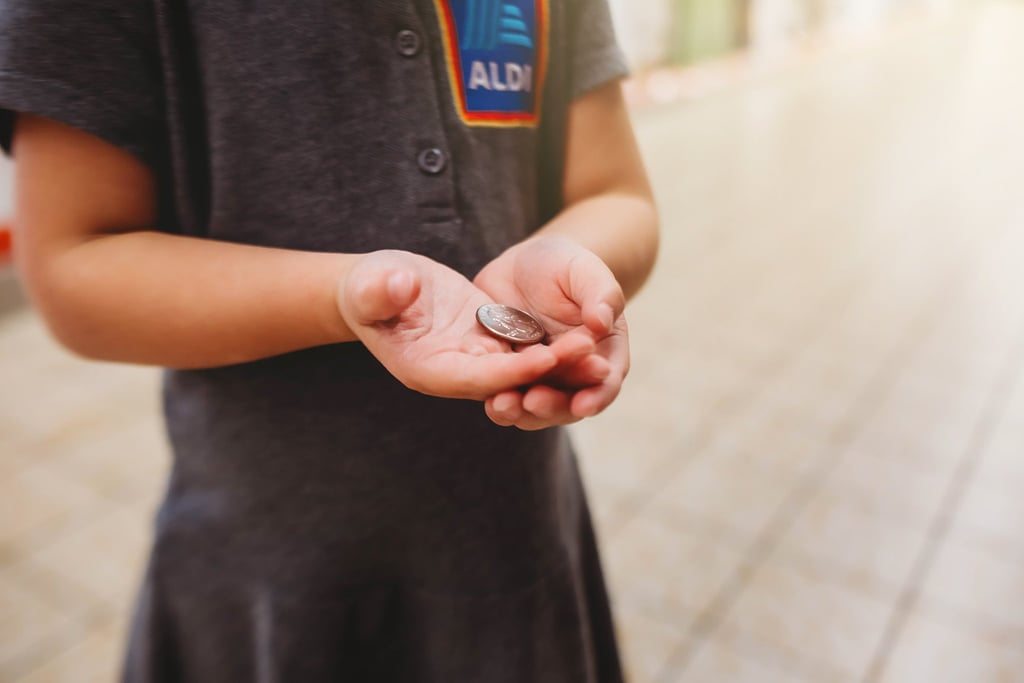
<point>432,161</point>
<point>408,43</point>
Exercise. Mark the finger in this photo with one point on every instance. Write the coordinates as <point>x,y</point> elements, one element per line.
<point>547,403</point>
<point>529,423</point>
<point>593,369</point>
<point>380,295</point>
<point>600,314</point>
<point>504,409</point>
<point>572,347</point>
<point>479,377</point>
<point>552,406</point>
<point>593,400</point>
<point>616,349</point>
<point>598,294</point>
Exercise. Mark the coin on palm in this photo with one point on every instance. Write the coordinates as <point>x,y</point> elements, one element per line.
<point>511,324</point>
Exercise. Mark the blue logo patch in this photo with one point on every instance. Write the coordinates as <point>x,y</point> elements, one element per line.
<point>490,23</point>
<point>496,58</point>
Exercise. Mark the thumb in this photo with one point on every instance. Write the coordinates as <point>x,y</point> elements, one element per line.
<point>382,294</point>
<point>598,294</point>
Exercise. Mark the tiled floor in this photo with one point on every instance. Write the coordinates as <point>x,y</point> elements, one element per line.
<point>814,472</point>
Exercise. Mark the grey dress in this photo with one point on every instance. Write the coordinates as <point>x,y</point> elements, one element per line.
<point>322,522</point>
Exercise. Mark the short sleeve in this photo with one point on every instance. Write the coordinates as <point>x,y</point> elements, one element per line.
<point>596,57</point>
<point>92,64</point>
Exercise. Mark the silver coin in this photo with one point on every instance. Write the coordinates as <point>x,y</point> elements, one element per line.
<point>510,324</point>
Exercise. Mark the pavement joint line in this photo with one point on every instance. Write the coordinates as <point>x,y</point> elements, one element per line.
<point>710,619</point>
<point>45,650</point>
<point>831,305</point>
<point>959,483</point>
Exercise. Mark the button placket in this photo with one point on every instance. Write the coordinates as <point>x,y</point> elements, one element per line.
<point>436,202</point>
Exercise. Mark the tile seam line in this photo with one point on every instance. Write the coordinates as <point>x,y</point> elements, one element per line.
<point>960,482</point>
<point>957,276</point>
<point>833,302</point>
<point>710,618</point>
<point>34,660</point>
<point>827,309</point>
<point>57,531</point>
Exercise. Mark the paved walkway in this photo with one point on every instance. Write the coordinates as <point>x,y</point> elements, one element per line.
<point>814,472</point>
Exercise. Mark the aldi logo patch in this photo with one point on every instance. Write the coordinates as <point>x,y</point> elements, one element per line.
<point>497,53</point>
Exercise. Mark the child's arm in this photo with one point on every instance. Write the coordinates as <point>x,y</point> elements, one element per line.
<point>609,203</point>
<point>111,287</point>
<point>578,270</point>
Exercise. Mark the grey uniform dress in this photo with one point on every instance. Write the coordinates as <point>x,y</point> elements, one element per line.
<point>322,522</point>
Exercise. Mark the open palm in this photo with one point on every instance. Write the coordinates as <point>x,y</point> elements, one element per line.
<point>575,296</point>
<point>418,318</point>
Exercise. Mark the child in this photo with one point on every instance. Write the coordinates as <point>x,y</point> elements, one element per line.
<point>298,208</point>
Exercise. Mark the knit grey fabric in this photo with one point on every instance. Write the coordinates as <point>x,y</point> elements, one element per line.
<point>322,522</point>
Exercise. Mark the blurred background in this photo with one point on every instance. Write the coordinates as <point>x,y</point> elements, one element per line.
<point>814,472</point>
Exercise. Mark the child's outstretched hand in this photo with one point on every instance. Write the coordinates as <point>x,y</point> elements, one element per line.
<point>574,295</point>
<point>418,318</point>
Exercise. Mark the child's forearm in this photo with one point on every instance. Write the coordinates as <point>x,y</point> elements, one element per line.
<point>153,298</point>
<point>609,204</point>
<point>113,289</point>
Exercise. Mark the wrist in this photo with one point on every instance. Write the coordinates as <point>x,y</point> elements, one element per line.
<point>337,324</point>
